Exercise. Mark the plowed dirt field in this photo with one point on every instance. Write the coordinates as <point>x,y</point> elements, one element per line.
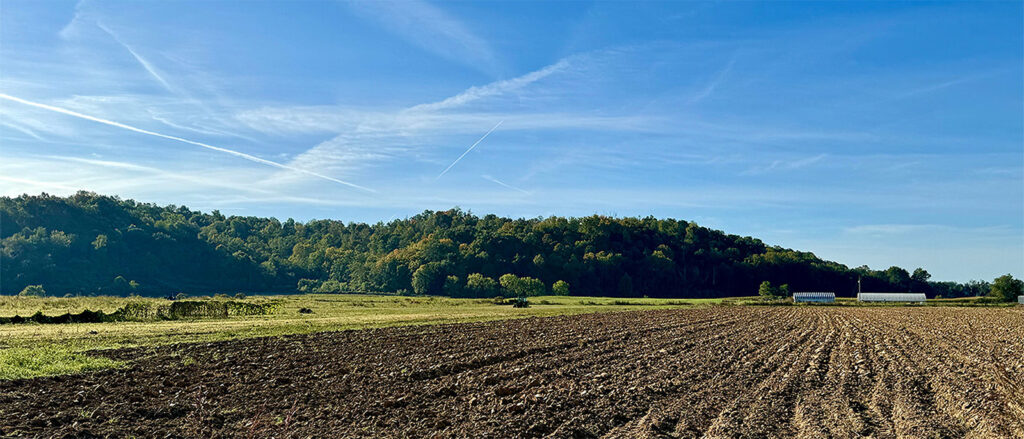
<point>710,372</point>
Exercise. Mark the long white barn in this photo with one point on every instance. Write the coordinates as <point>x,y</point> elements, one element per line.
<point>821,296</point>
<point>891,297</point>
<point>1020,300</point>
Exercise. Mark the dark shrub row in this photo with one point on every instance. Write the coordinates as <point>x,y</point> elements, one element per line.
<point>86,316</point>
<point>187,309</point>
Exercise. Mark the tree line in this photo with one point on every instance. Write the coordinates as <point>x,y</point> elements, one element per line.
<point>94,244</point>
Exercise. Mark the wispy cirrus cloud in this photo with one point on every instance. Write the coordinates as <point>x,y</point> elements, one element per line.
<point>73,26</point>
<point>493,89</point>
<point>718,79</point>
<point>432,29</point>
<point>21,128</point>
<point>785,165</point>
<point>379,134</point>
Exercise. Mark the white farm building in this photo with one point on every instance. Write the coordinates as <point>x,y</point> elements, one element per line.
<point>1020,300</point>
<point>891,297</point>
<point>817,296</point>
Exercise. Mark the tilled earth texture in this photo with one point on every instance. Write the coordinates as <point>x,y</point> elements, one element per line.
<point>808,372</point>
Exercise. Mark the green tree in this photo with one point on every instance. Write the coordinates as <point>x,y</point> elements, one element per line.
<point>307,285</point>
<point>920,275</point>
<point>560,288</point>
<point>768,291</point>
<point>330,286</point>
<point>510,283</point>
<point>522,286</point>
<point>898,278</point>
<point>1006,288</point>
<point>531,287</point>
<point>919,281</point>
<point>428,279</point>
<point>33,291</point>
<point>478,285</point>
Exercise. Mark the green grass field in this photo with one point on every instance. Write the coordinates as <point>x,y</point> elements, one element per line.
<point>29,350</point>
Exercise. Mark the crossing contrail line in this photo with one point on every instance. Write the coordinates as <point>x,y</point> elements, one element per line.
<point>470,149</point>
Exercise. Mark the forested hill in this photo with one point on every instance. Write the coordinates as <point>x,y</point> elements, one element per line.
<point>88,243</point>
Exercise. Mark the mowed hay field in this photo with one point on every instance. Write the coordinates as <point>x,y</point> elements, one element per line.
<point>702,372</point>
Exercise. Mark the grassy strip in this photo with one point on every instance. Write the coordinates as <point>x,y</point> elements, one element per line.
<point>18,363</point>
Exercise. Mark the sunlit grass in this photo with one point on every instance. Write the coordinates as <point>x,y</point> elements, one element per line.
<point>50,360</point>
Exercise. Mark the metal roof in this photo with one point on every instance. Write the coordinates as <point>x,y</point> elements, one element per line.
<point>814,296</point>
<point>891,297</point>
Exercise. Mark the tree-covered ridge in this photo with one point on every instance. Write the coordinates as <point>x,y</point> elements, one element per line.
<point>89,243</point>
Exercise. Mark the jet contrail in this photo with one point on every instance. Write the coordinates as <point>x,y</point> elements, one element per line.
<point>145,64</point>
<point>179,139</point>
<point>470,149</point>
<point>502,183</point>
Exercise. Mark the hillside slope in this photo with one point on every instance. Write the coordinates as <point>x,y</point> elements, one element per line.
<point>89,243</point>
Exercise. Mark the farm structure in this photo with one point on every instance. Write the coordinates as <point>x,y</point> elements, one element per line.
<point>817,296</point>
<point>891,297</point>
<point>1020,300</point>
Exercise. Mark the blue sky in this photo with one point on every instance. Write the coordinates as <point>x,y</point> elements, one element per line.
<point>868,133</point>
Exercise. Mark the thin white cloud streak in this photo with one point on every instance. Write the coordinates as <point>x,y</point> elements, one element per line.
<point>432,29</point>
<point>69,30</point>
<point>781,165</point>
<point>502,183</point>
<point>173,124</point>
<point>21,129</point>
<point>493,89</point>
<point>481,139</point>
<point>709,89</point>
<point>179,139</point>
<point>138,58</point>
